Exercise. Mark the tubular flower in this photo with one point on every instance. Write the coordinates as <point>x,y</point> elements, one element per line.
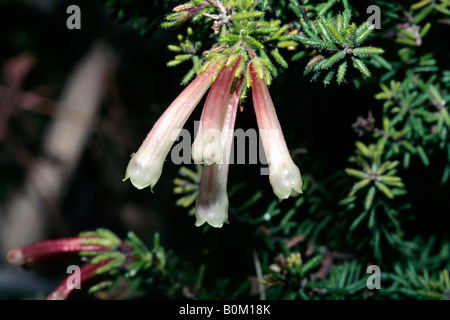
<point>41,252</point>
<point>145,166</point>
<point>284,175</point>
<point>212,201</point>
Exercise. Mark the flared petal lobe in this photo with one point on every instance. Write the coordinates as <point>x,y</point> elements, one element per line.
<point>212,201</point>
<point>284,175</point>
<point>145,166</point>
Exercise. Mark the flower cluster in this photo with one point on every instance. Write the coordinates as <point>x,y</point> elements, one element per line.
<point>212,146</point>
<point>228,71</point>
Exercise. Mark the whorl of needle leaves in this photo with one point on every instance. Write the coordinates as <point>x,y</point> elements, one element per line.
<point>336,38</point>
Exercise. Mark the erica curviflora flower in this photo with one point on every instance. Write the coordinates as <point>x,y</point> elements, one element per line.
<point>284,174</point>
<point>145,166</point>
<point>236,63</point>
<point>212,200</point>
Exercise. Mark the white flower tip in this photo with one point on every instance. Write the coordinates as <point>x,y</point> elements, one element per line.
<point>286,181</point>
<point>215,224</point>
<point>214,213</point>
<point>143,173</point>
<point>294,193</point>
<point>139,184</point>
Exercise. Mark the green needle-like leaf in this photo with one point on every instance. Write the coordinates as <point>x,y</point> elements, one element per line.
<point>362,33</point>
<point>367,51</point>
<point>383,188</point>
<point>369,198</point>
<point>341,72</point>
<point>361,66</point>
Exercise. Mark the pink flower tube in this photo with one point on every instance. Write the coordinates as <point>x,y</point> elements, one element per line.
<point>208,145</point>
<point>41,252</point>
<point>284,175</point>
<point>145,166</point>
